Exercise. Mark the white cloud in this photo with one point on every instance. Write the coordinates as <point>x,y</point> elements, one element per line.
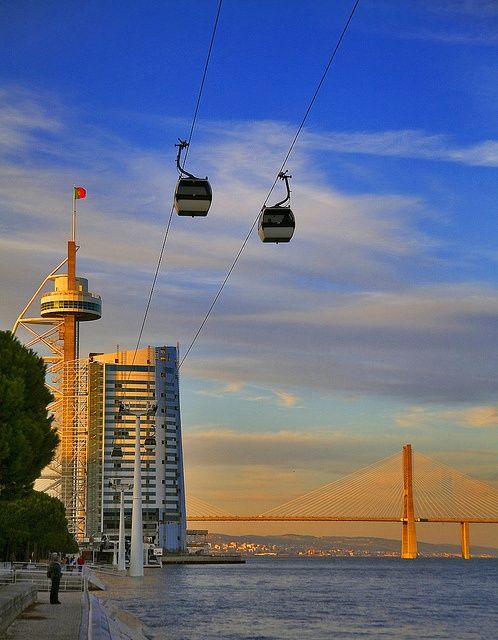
<point>247,393</point>
<point>282,449</point>
<point>425,343</point>
<point>23,119</point>
<point>408,144</point>
<point>412,417</point>
<point>220,392</point>
<point>478,8</point>
<point>477,417</point>
<point>233,387</point>
<point>287,399</point>
<point>340,300</point>
<point>481,417</point>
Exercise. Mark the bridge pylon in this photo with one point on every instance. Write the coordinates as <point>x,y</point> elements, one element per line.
<point>408,530</point>
<point>465,540</point>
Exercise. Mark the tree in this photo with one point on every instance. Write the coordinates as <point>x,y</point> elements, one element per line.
<point>34,524</point>
<point>27,438</point>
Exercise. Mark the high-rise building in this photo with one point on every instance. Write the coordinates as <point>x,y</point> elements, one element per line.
<point>87,396</point>
<point>148,376</point>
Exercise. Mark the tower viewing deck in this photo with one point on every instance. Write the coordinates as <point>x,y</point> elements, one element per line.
<point>63,301</point>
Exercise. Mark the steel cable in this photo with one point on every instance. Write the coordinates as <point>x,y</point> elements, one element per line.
<point>194,121</point>
<point>291,148</point>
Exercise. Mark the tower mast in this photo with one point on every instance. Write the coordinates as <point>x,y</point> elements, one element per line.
<point>56,331</point>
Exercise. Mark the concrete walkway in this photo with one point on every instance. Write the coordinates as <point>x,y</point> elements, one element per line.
<point>45,621</point>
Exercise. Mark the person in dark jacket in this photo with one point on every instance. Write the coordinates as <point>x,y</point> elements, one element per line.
<point>55,573</point>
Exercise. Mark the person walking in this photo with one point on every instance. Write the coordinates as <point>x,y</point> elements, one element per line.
<point>80,561</point>
<point>54,573</point>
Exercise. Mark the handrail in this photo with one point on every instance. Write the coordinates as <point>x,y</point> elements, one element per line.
<point>86,614</point>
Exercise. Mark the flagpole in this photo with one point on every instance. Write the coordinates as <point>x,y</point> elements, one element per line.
<point>73,235</point>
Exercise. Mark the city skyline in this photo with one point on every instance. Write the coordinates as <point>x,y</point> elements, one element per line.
<point>375,326</point>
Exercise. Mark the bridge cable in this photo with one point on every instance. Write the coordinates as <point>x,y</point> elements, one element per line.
<point>293,143</point>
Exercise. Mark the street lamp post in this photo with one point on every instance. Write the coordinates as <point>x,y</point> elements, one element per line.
<point>121,487</point>
<point>137,535</point>
<point>122,543</point>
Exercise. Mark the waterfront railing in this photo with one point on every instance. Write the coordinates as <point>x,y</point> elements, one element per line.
<point>37,575</point>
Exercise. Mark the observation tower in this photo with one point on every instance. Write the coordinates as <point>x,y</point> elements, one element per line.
<point>56,333</point>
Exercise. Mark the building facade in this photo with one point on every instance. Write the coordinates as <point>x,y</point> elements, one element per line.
<point>149,376</point>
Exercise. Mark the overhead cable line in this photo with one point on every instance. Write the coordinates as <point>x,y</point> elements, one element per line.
<point>317,91</point>
<point>194,120</point>
<point>208,58</point>
<point>292,145</point>
<point>154,280</point>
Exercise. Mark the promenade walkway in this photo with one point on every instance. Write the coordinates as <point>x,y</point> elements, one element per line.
<point>80,616</point>
<point>45,621</point>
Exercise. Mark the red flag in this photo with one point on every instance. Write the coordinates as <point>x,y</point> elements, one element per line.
<point>79,193</point>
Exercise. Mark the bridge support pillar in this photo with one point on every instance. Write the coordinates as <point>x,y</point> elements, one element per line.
<point>408,531</point>
<point>464,536</point>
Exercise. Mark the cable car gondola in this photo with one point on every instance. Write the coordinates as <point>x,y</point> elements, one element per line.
<point>150,441</point>
<point>193,196</point>
<point>117,452</point>
<point>276,223</point>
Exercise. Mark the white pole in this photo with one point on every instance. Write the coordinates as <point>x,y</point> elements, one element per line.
<point>121,548</point>
<point>137,536</point>
<point>73,230</point>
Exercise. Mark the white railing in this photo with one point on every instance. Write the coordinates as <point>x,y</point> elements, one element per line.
<point>70,581</point>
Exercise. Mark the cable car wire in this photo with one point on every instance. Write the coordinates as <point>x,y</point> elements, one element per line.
<point>166,233</point>
<point>317,91</point>
<point>153,286</point>
<point>219,293</point>
<point>291,148</point>
<point>201,89</point>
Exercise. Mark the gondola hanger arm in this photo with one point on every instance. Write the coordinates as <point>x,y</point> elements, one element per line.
<point>283,176</point>
<point>182,144</point>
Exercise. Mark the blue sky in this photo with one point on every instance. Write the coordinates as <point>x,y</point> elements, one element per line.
<point>377,324</point>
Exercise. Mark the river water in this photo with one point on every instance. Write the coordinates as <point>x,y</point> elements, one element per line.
<point>316,599</point>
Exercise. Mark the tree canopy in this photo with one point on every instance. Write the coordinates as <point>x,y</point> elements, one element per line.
<point>27,438</point>
<point>34,524</point>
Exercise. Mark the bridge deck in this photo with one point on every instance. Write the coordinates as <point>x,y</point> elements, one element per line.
<point>230,518</point>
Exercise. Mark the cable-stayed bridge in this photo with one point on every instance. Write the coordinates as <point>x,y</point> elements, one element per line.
<point>406,488</point>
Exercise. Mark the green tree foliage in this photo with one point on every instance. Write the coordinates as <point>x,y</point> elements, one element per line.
<point>34,524</point>
<point>27,439</point>
<point>30,521</point>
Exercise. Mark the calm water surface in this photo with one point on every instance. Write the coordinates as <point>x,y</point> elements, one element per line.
<point>318,598</point>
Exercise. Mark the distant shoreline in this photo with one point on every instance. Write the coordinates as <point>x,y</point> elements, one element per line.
<point>292,545</point>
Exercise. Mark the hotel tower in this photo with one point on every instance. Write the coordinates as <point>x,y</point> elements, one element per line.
<point>136,380</point>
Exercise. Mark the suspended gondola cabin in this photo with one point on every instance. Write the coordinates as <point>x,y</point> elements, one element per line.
<point>276,224</point>
<point>149,442</point>
<point>193,197</point>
